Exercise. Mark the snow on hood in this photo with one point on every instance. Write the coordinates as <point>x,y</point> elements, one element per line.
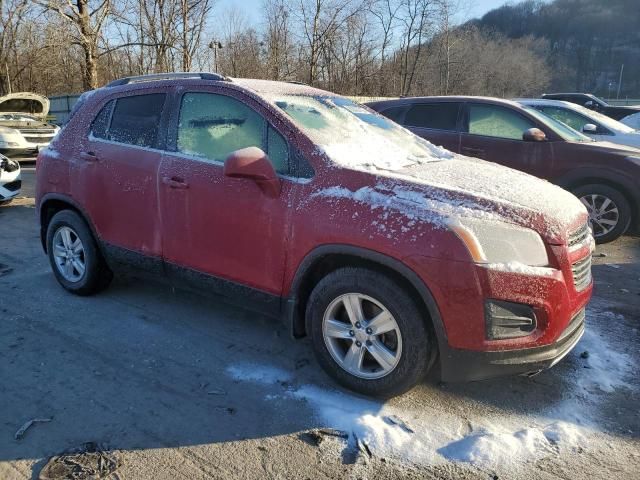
<point>441,192</point>
<point>25,102</point>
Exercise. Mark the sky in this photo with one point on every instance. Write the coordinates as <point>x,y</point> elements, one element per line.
<point>470,8</point>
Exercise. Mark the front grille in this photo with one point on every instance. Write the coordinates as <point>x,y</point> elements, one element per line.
<point>37,131</point>
<point>13,186</point>
<point>574,324</point>
<point>579,236</point>
<point>582,273</point>
<point>43,139</point>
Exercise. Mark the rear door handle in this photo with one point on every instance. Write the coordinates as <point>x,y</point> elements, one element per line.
<point>474,152</point>
<point>89,156</point>
<point>174,182</point>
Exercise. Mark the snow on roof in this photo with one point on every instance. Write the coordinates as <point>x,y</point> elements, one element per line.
<point>278,87</point>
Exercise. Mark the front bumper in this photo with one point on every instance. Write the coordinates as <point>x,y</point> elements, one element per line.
<point>461,291</point>
<point>466,365</point>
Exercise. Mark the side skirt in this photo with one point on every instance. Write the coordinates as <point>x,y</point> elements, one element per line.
<point>124,260</point>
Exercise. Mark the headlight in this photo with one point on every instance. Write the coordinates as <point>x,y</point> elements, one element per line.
<point>498,242</point>
<point>7,130</point>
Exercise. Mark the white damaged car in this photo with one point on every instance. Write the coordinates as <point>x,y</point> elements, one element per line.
<point>10,179</point>
<point>23,125</point>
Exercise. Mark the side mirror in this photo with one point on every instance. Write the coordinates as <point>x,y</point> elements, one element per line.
<point>534,135</point>
<point>589,128</point>
<point>252,163</point>
<point>589,104</point>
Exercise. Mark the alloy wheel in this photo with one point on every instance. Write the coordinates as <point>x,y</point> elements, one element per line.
<point>68,254</point>
<point>362,336</point>
<point>603,213</point>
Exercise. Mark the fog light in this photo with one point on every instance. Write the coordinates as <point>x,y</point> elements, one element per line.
<point>508,320</point>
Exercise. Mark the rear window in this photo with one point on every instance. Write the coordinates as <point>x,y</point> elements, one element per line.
<point>438,116</point>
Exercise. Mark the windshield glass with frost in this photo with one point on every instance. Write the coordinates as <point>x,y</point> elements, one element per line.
<point>566,133</point>
<point>353,136</point>
<point>603,119</point>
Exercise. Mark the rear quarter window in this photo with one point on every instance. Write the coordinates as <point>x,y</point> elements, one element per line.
<point>135,120</point>
<point>437,116</point>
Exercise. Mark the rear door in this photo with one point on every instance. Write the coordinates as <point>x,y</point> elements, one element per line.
<point>225,228</point>
<point>437,122</point>
<point>115,172</point>
<point>494,133</point>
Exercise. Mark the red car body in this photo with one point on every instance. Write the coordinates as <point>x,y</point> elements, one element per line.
<point>168,214</point>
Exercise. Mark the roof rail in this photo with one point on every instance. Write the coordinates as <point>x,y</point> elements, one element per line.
<point>296,82</point>
<point>154,77</point>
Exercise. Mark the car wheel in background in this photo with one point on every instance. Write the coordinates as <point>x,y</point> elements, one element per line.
<point>609,211</point>
<point>74,256</point>
<point>368,334</point>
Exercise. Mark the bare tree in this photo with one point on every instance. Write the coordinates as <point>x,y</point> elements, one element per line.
<point>88,17</point>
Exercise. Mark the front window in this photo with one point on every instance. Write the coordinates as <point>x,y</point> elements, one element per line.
<point>212,126</point>
<point>563,131</point>
<point>353,136</point>
<point>499,122</point>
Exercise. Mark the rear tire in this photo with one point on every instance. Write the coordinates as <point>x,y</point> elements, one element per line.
<point>405,347</point>
<point>74,256</point>
<point>605,205</point>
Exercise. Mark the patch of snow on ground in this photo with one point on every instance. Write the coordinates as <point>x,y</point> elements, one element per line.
<point>430,437</point>
<point>608,368</point>
<point>262,374</point>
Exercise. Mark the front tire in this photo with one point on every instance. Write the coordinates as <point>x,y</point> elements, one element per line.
<point>368,333</point>
<point>74,256</point>
<point>609,211</point>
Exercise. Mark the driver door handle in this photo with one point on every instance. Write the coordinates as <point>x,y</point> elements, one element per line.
<point>89,156</point>
<point>474,152</point>
<point>175,182</point>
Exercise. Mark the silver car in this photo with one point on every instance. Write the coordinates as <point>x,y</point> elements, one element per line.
<point>596,125</point>
<point>23,123</point>
<point>10,179</point>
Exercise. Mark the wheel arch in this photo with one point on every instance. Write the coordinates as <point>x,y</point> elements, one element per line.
<point>54,203</point>
<point>327,258</point>
<point>611,179</point>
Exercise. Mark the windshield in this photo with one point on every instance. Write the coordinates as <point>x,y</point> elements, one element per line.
<point>565,132</point>
<point>603,119</point>
<point>17,117</point>
<point>353,136</point>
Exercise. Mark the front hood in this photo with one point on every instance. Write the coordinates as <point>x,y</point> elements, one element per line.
<point>25,102</point>
<point>464,186</point>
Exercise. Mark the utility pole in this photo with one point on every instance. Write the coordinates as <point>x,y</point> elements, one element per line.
<point>620,81</point>
<point>215,45</point>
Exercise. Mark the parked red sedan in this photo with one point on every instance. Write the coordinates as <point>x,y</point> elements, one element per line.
<point>389,252</point>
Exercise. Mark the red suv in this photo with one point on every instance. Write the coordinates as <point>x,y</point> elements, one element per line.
<point>393,255</point>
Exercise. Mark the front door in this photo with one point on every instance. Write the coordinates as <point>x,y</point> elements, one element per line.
<point>115,171</point>
<point>494,133</point>
<point>225,228</point>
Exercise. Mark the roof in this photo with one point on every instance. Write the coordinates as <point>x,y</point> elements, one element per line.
<point>545,101</point>
<point>447,98</point>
